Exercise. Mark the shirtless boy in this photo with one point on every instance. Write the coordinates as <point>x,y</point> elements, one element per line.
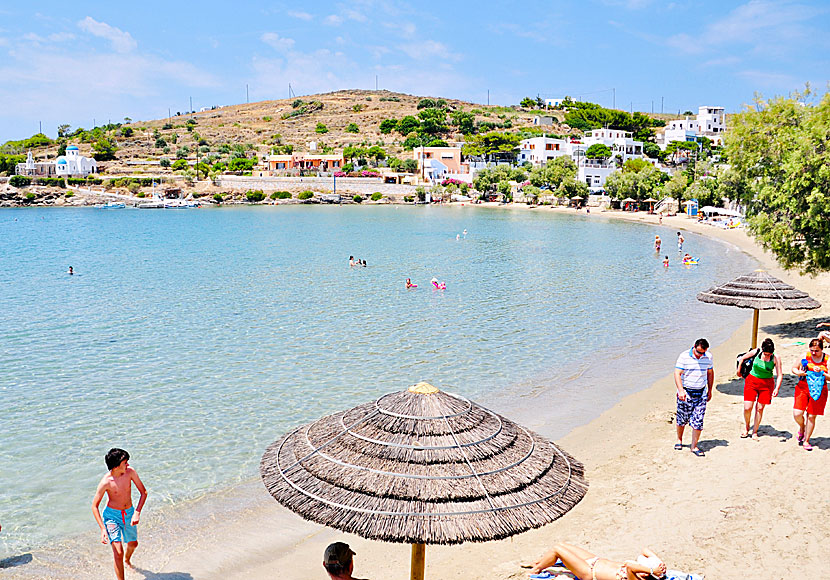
<point>119,521</point>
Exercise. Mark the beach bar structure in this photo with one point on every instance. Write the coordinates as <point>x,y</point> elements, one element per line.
<point>304,161</point>
<point>759,291</point>
<point>422,466</point>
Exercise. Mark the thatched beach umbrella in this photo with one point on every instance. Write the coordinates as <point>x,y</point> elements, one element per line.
<point>422,466</point>
<point>650,201</point>
<point>759,291</point>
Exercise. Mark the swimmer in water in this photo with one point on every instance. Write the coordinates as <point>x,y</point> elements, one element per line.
<point>438,285</point>
<point>666,261</point>
<point>409,284</point>
<point>71,271</point>
<point>351,261</point>
<point>657,243</point>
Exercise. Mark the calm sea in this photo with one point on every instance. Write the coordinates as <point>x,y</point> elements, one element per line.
<point>194,338</point>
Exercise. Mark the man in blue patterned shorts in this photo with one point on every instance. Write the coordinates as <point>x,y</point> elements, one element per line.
<point>694,376</point>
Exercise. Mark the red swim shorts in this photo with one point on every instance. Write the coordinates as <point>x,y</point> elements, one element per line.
<point>761,389</point>
<point>804,402</point>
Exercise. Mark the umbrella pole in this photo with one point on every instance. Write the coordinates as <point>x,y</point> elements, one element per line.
<point>755,328</point>
<point>418,562</point>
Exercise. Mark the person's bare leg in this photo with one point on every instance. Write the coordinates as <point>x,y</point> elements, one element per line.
<point>695,437</point>
<point>799,418</point>
<point>572,558</point>
<point>118,557</point>
<point>131,546</point>
<point>747,417</point>
<point>759,413</point>
<point>680,429</point>
<point>808,428</point>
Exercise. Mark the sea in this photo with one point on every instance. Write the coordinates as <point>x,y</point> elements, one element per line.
<point>194,338</point>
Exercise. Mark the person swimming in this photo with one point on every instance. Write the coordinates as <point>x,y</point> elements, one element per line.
<point>71,271</point>
<point>666,261</point>
<point>657,243</point>
<point>438,285</point>
<point>409,284</point>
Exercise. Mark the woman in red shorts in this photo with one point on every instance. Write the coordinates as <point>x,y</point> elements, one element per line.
<point>759,384</point>
<point>811,403</point>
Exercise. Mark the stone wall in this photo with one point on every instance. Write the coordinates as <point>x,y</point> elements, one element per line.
<point>364,186</point>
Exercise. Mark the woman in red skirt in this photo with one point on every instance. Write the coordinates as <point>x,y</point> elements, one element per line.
<point>761,384</point>
<point>810,392</point>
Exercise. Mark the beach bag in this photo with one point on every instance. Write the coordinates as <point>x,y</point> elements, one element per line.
<point>746,366</point>
<point>815,382</point>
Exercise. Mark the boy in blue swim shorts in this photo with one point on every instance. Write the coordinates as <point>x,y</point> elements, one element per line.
<point>119,520</point>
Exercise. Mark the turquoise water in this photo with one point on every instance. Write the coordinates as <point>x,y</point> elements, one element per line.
<point>194,338</point>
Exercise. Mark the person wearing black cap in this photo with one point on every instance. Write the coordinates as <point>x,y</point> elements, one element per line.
<point>337,560</point>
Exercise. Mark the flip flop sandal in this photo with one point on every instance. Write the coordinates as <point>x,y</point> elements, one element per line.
<point>808,447</point>
<point>745,435</point>
<point>800,437</point>
<point>699,452</point>
<point>678,446</point>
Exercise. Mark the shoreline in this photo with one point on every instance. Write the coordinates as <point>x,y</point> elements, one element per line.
<point>634,476</point>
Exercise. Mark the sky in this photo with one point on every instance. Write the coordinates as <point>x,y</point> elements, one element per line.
<point>97,62</point>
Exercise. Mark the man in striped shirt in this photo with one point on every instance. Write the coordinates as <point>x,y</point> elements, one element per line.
<point>694,376</point>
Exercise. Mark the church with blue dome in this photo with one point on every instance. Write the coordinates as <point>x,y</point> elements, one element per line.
<point>71,164</point>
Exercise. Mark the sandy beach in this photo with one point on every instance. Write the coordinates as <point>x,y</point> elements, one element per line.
<point>748,509</point>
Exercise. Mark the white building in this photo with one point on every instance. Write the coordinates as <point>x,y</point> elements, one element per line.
<point>73,164</point>
<point>553,102</point>
<point>712,120</point>
<point>679,130</point>
<point>621,143</point>
<point>539,150</point>
<point>34,169</point>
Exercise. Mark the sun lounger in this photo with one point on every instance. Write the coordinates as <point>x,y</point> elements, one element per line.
<point>675,575</point>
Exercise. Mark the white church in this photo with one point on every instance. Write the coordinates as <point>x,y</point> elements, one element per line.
<point>72,164</point>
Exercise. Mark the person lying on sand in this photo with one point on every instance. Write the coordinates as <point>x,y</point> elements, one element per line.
<point>588,566</point>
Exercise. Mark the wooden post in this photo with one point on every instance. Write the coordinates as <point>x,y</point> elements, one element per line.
<point>755,328</point>
<point>418,563</point>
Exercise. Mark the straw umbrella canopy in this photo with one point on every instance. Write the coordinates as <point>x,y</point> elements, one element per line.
<point>650,201</point>
<point>759,291</point>
<point>422,466</point>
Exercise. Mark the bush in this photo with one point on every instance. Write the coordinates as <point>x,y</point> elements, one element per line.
<point>352,128</point>
<point>30,196</point>
<point>377,196</point>
<point>141,194</point>
<point>281,195</point>
<point>358,107</point>
<point>266,119</point>
<point>357,199</point>
<point>218,198</point>
<point>297,104</point>
<point>164,162</point>
<point>348,167</point>
<point>408,199</point>
<point>183,152</point>
<point>19,181</point>
<point>426,104</point>
<point>255,195</point>
<point>134,187</point>
<point>179,165</point>
<point>321,129</point>
<point>167,126</point>
<point>304,195</point>
<point>160,143</point>
<point>69,194</point>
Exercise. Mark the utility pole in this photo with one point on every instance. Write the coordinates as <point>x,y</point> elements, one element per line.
<point>652,106</point>
<point>614,98</point>
<point>191,107</point>
<point>169,116</point>
<point>631,112</point>
<point>376,82</point>
<point>661,104</point>
<point>247,97</point>
<point>488,97</point>
<point>40,127</point>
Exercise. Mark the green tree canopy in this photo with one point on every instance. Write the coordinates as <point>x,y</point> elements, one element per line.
<point>388,125</point>
<point>408,124</point>
<point>598,151</point>
<point>104,149</point>
<point>553,173</point>
<point>636,184</point>
<point>493,143</point>
<point>433,121</point>
<point>780,156</point>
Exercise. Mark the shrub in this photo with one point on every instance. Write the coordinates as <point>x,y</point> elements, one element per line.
<point>281,195</point>
<point>426,104</point>
<point>357,199</point>
<point>179,165</point>
<point>19,181</point>
<point>30,196</point>
<point>352,128</point>
<point>304,195</point>
<point>358,107</point>
<point>69,194</point>
<point>134,187</point>
<point>218,198</point>
<point>348,167</point>
<point>321,129</point>
<point>255,195</point>
<point>267,119</point>
<point>164,162</point>
<point>297,104</point>
<point>183,152</point>
<point>167,126</point>
<point>377,196</point>
<point>388,125</point>
<point>160,142</point>
<point>408,199</point>
<point>141,194</point>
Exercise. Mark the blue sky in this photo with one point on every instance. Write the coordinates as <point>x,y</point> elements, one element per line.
<point>63,62</point>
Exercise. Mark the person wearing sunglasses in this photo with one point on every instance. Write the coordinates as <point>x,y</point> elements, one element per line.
<point>694,376</point>
<point>810,392</point>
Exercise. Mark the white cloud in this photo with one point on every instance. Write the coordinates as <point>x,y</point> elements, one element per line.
<point>300,15</point>
<point>121,41</point>
<point>277,42</point>
<point>771,80</point>
<point>54,37</point>
<point>333,20</point>
<point>427,49</point>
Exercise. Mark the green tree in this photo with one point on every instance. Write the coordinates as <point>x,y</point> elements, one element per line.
<point>388,125</point>
<point>488,145</point>
<point>598,151</point>
<point>678,152</point>
<point>528,103</point>
<point>321,128</point>
<point>553,173</point>
<point>572,187</point>
<point>164,162</point>
<point>104,149</point>
<point>433,121</point>
<point>426,104</point>
<point>636,184</point>
<point>779,153</point>
<point>636,165</point>
<point>179,165</point>
<point>376,153</point>
<point>352,128</point>
<point>464,121</point>
<point>408,124</point>
<point>63,130</point>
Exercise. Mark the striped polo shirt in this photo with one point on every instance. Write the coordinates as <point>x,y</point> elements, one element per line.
<point>694,369</point>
